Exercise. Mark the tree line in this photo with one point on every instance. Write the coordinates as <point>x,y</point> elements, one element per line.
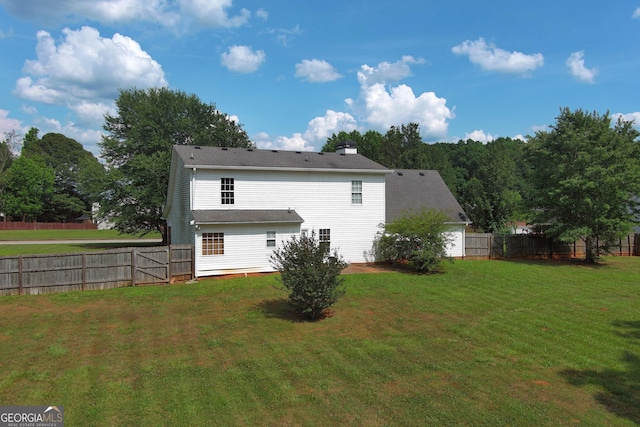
<point>580,179</point>
<point>490,180</point>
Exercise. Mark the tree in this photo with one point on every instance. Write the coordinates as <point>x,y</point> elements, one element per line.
<point>417,237</point>
<point>7,148</point>
<point>77,174</point>
<point>586,179</point>
<point>310,273</point>
<point>137,149</point>
<point>28,187</point>
<point>368,144</point>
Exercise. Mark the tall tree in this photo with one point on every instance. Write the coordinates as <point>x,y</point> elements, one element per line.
<point>28,187</point>
<point>586,178</point>
<point>137,149</point>
<point>7,148</point>
<point>74,168</point>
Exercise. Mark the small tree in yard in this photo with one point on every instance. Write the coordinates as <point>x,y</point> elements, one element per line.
<point>418,238</point>
<point>310,273</point>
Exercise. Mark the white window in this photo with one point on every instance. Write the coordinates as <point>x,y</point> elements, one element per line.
<point>356,192</point>
<point>227,191</point>
<point>271,239</point>
<point>212,243</point>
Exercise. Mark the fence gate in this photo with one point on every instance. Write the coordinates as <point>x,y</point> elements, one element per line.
<point>150,265</point>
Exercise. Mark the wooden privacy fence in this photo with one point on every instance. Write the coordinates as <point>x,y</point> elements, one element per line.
<point>498,246</point>
<point>39,274</point>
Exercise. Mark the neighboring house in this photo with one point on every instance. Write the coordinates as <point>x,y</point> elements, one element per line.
<point>236,205</point>
<point>101,223</point>
<point>410,190</point>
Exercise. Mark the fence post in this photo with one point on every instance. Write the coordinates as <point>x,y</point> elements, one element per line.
<point>133,266</point>
<point>170,269</point>
<point>84,270</point>
<point>20,273</point>
<point>193,262</point>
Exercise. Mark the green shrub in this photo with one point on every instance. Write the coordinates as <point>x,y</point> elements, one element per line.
<point>310,273</point>
<point>418,238</point>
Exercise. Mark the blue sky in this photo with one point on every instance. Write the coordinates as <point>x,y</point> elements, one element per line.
<point>294,72</point>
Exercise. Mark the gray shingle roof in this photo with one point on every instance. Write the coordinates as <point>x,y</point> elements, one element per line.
<point>245,216</point>
<point>413,190</point>
<point>238,158</point>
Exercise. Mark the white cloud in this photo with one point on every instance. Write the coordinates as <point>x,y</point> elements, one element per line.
<point>575,64</point>
<point>173,14</point>
<point>92,113</point>
<point>86,66</point>
<point>242,59</point>
<point>491,58</point>
<point>8,124</point>
<point>479,135</point>
<point>29,109</point>
<point>386,72</point>
<point>318,130</point>
<point>628,117</point>
<point>213,13</point>
<point>89,138</point>
<point>316,71</point>
<point>636,13</point>
<point>284,35</point>
<point>262,14</point>
<point>381,107</point>
<point>321,128</point>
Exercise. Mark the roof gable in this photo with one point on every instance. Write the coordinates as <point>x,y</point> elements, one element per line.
<point>413,190</point>
<point>243,158</point>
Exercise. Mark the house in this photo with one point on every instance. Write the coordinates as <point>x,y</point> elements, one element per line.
<point>236,205</point>
<point>413,190</point>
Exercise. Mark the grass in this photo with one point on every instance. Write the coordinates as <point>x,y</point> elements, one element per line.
<point>489,343</point>
<point>81,241</point>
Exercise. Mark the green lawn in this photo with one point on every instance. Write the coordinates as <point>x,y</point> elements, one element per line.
<point>80,236</point>
<point>489,343</point>
<point>68,235</point>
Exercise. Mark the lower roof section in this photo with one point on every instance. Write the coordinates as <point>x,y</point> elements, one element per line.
<point>246,216</point>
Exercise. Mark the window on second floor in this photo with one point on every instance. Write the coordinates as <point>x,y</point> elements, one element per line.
<point>227,191</point>
<point>356,192</point>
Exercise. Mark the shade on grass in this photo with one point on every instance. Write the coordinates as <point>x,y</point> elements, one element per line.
<point>487,343</point>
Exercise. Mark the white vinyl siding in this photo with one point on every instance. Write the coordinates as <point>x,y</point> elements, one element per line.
<point>455,248</point>
<point>244,249</point>
<point>179,216</point>
<point>322,199</point>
